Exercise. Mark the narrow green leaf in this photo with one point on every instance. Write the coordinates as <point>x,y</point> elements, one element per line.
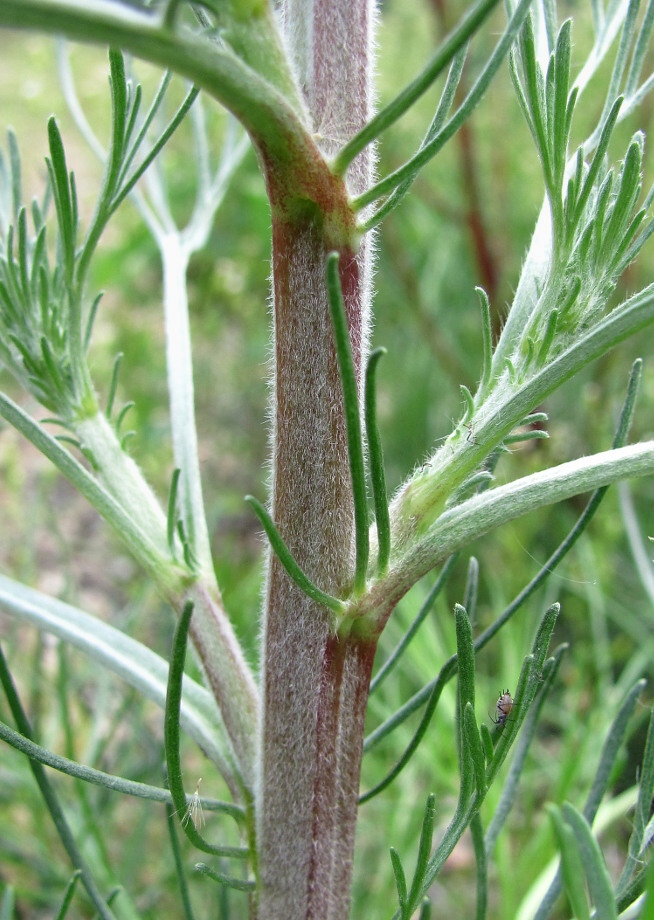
<point>487,741</point>
<point>600,886</point>
<point>68,895</point>
<point>127,183</point>
<point>377,474</point>
<point>629,27</point>
<point>598,158</point>
<point>22,255</point>
<point>472,484</point>
<point>522,699</point>
<point>476,750</point>
<point>638,840</point>
<point>171,518</point>
<point>486,341</point>
<point>15,174</point>
<point>107,780</point>
<point>572,867</point>
<point>444,105</point>
<point>50,797</point>
<point>119,114</point>
<point>481,865</point>
<point>548,338</point>
<point>518,438</point>
<point>610,751</point>
<point>60,183</point>
<point>113,384</point>
<point>91,320</point>
<point>409,171</point>
<point>468,25</point>
<point>432,694</point>
<point>400,878</point>
<point>520,750</point>
<point>123,412</point>
<point>543,635</point>
<point>229,881</point>
<point>352,420</point>
<point>424,849</point>
<point>640,51</point>
<point>290,565</point>
<point>561,115</point>
<point>466,658</point>
<point>535,92</point>
<point>172,738</point>
<point>471,589</point>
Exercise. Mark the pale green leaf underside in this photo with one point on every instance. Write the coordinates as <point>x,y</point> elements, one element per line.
<point>140,667</point>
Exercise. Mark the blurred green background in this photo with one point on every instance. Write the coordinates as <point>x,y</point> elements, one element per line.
<point>468,222</point>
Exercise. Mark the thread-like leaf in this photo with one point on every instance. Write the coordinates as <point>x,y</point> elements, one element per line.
<point>63,196</point>
<point>108,780</point>
<point>171,519</point>
<point>229,881</point>
<point>377,474</point>
<point>520,750</point>
<point>352,421</point>
<point>638,840</point>
<point>49,795</point>
<point>572,868</point>
<point>600,886</point>
<point>407,173</point>
<point>172,736</point>
<point>113,384</point>
<point>465,692</point>
<point>476,749</point>
<point>481,865</point>
<point>290,565</point>
<point>400,878</point>
<point>610,751</point>
<point>424,849</point>
<point>486,341</point>
<point>468,25</point>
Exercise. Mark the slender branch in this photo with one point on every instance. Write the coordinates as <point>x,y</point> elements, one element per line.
<point>483,512</point>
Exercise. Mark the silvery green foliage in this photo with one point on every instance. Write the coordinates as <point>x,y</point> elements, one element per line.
<point>290,747</point>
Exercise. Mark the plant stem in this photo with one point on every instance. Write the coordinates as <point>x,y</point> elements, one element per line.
<point>314,685</point>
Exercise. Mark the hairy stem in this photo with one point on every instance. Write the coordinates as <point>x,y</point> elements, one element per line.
<point>315,686</point>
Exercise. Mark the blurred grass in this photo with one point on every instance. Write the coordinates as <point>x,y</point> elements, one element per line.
<point>427,316</point>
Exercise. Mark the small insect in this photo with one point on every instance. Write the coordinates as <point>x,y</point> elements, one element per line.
<point>503,708</point>
<point>472,438</point>
<point>194,811</point>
